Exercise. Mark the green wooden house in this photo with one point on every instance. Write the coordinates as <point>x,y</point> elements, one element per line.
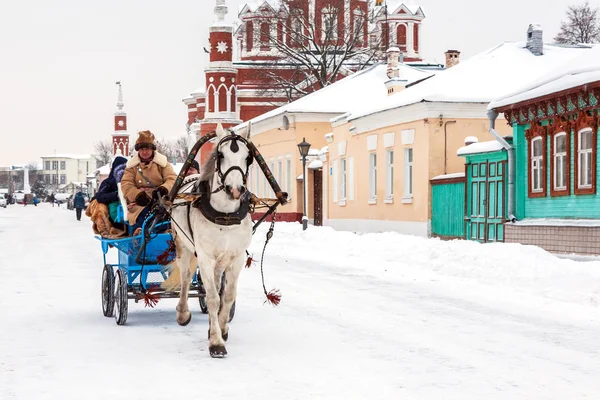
<point>556,125</point>
<point>485,205</point>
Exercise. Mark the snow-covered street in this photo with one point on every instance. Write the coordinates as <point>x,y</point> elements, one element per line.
<point>378,316</point>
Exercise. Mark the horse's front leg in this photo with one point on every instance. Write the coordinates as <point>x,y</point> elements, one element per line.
<point>184,260</point>
<point>232,272</point>
<point>216,344</point>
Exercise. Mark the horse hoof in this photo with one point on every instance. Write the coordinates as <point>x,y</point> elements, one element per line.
<point>184,323</point>
<point>217,351</point>
<point>225,336</point>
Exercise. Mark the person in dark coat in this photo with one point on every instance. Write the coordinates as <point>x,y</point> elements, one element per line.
<point>78,204</point>
<point>108,191</point>
<point>52,199</point>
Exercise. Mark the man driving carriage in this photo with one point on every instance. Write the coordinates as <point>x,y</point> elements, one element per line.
<point>148,173</point>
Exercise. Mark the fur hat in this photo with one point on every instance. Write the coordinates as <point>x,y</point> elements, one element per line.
<point>145,138</point>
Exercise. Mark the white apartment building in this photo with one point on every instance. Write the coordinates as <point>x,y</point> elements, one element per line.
<point>62,170</point>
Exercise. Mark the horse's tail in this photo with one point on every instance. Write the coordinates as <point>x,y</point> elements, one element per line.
<point>173,282</point>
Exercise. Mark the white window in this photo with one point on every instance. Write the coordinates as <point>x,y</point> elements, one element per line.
<point>330,27</point>
<point>256,179</point>
<point>389,174</point>
<point>264,186</point>
<point>359,25</point>
<point>560,161</point>
<point>63,165</point>
<point>55,165</point>
<point>343,172</point>
<point>288,174</point>
<point>63,179</point>
<point>408,172</point>
<point>584,153</point>
<point>270,189</point>
<point>47,165</point>
<point>372,176</point>
<point>279,171</point>
<point>536,164</point>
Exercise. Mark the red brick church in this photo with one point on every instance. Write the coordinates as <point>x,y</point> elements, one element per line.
<point>236,89</point>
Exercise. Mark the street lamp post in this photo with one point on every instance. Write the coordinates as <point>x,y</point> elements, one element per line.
<point>304,147</point>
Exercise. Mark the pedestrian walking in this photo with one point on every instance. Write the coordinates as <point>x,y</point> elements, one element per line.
<point>79,204</point>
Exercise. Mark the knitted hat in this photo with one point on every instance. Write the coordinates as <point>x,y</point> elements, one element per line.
<point>195,165</point>
<point>145,138</point>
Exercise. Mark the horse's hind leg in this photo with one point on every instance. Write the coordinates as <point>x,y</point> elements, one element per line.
<point>216,344</point>
<point>229,294</point>
<point>184,259</point>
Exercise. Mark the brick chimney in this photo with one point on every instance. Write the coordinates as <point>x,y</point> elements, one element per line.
<point>452,58</point>
<point>393,62</point>
<point>535,41</point>
<point>395,83</point>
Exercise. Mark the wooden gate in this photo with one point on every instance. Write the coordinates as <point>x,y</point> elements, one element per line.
<point>448,207</point>
<point>318,197</point>
<point>486,200</point>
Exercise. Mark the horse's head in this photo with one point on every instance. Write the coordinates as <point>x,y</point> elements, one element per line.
<point>233,160</point>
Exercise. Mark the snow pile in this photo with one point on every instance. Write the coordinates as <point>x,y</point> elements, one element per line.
<point>510,267</point>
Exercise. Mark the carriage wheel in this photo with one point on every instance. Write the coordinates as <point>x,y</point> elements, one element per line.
<point>108,291</point>
<point>203,305</point>
<point>121,297</point>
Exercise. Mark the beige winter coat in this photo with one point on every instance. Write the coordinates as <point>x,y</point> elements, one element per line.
<point>158,172</point>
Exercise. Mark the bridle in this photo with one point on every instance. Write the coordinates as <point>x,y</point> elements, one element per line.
<point>233,138</point>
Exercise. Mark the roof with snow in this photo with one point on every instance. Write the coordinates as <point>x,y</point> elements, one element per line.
<point>478,148</point>
<point>480,79</point>
<point>348,94</point>
<point>65,155</point>
<point>578,71</point>
<point>394,6</point>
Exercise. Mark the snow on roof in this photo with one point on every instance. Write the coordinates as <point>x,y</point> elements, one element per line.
<point>103,170</point>
<point>394,5</point>
<point>449,176</point>
<point>252,7</point>
<point>481,147</point>
<point>581,70</point>
<point>74,156</point>
<point>315,164</point>
<point>482,78</point>
<point>347,94</point>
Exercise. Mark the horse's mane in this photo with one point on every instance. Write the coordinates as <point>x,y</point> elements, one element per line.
<point>207,171</point>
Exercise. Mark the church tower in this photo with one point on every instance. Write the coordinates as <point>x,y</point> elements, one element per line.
<point>120,137</point>
<point>220,105</point>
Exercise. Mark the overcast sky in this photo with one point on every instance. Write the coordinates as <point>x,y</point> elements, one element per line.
<point>59,61</point>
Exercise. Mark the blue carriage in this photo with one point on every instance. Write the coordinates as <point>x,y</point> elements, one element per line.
<point>139,272</point>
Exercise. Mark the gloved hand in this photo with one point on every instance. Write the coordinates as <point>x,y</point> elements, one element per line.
<point>159,193</point>
<point>142,199</point>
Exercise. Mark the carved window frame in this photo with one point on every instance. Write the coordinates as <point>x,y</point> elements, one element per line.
<point>588,188</point>
<point>566,189</point>
<point>534,134</point>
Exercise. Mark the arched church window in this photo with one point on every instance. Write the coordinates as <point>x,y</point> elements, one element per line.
<point>249,35</point>
<point>401,37</point>
<point>329,24</point>
<point>265,34</point>
<point>358,21</point>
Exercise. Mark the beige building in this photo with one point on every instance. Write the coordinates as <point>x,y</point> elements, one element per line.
<point>278,132</point>
<point>380,135</point>
<point>383,158</point>
<point>62,171</point>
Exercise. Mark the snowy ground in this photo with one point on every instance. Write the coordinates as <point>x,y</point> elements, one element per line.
<point>378,316</point>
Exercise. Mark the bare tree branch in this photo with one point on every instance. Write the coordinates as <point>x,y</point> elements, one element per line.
<point>582,25</point>
<point>315,51</point>
<point>104,152</point>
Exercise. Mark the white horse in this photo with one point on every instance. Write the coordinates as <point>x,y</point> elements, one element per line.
<point>220,231</point>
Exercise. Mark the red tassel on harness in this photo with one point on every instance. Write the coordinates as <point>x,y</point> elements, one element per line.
<point>273,297</point>
<point>250,261</point>
<point>150,299</point>
<point>167,256</point>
